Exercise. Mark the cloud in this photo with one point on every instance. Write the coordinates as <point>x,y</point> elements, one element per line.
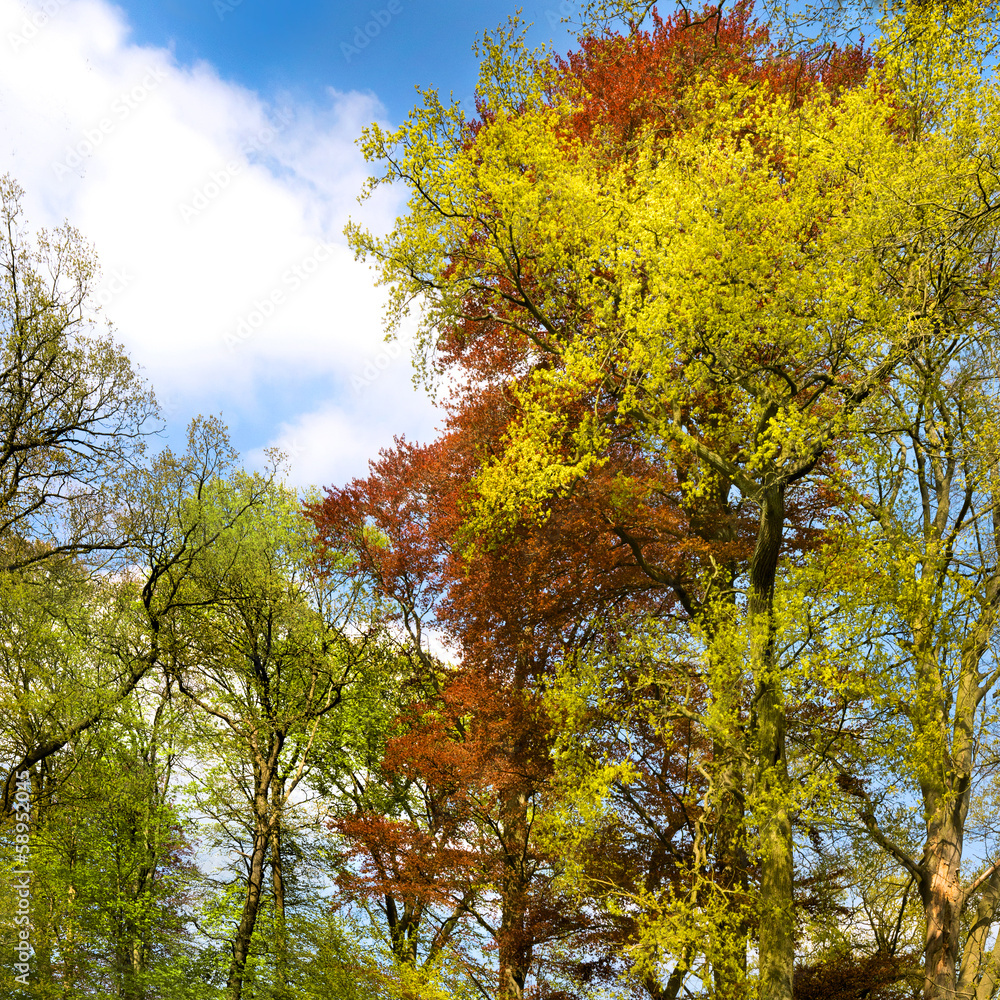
<point>333,443</point>
<point>217,215</point>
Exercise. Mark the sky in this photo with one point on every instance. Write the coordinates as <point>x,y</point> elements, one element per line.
<point>207,151</point>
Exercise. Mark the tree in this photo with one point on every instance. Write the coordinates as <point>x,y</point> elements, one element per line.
<point>79,649</point>
<point>259,645</point>
<point>474,731</point>
<point>78,495</point>
<point>468,746</point>
<point>929,489</point>
<point>110,859</point>
<point>933,503</point>
<point>112,623</point>
<point>469,767</point>
<point>75,416</point>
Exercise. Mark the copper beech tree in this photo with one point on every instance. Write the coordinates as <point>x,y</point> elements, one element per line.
<point>451,847</point>
<point>475,741</point>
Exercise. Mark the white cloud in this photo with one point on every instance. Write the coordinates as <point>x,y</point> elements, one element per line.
<point>209,208</point>
<point>333,443</point>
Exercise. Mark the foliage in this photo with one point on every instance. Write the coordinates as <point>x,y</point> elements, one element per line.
<point>75,416</point>
<point>724,271</point>
<point>665,669</point>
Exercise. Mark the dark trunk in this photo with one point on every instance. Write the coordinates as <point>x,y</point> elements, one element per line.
<point>515,942</point>
<point>278,888</point>
<point>777,945</point>
<point>729,969</point>
<point>251,905</point>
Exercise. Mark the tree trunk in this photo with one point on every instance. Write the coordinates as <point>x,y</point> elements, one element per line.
<point>251,905</point>
<point>515,940</point>
<point>729,968</point>
<point>712,520</point>
<point>515,943</point>
<point>278,887</point>
<point>132,939</point>
<point>981,969</point>
<point>770,794</point>
<point>777,943</point>
<point>946,783</point>
<point>942,894</point>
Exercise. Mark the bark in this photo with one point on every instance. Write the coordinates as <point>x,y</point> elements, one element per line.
<point>777,944</point>
<point>941,890</point>
<point>515,951</point>
<point>946,789</point>
<point>514,940</point>
<point>980,970</point>
<point>251,904</point>
<point>403,928</point>
<point>943,899</point>
<point>278,888</point>
<point>730,864</point>
<point>713,522</point>
<point>248,919</point>
<point>673,988</point>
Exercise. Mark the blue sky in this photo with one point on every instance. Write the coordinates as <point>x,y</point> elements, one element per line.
<point>306,47</point>
<point>206,148</point>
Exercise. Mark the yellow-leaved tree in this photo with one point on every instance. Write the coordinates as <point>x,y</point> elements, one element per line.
<point>736,281</point>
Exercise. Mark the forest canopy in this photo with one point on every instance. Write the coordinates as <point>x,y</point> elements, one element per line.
<point>668,669</point>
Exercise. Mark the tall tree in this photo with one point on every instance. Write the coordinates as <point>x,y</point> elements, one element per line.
<point>76,415</point>
<point>114,621</point>
<point>934,505</point>
<point>111,863</point>
<point>260,646</point>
